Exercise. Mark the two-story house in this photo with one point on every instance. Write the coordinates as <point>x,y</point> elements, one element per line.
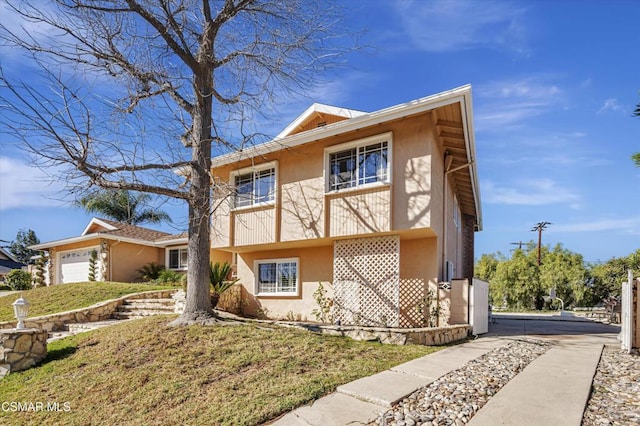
<point>379,207</point>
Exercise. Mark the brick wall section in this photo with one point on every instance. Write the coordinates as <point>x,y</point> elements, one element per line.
<point>468,243</point>
<point>98,312</point>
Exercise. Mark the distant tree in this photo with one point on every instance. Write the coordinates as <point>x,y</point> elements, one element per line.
<point>18,248</point>
<point>123,206</point>
<point>485,267</point>
<point>565,271</point>
<point>607,277</point>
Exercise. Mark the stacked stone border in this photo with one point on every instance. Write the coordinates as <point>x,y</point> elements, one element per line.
<point>99,312</point>
<point>428,336</point>
<point>21,349</point>
<point>391,336</point>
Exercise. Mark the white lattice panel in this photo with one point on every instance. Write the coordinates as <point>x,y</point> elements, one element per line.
<point>366,279</point>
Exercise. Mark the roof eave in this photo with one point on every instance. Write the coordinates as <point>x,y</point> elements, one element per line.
<point>368,119</point>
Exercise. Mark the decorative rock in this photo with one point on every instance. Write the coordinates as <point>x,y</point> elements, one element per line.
<point>454,398</point>
<point>615,399</point>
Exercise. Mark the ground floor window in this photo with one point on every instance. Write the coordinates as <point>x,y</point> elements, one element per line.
<point>277,277</point>
<point>177,258</point>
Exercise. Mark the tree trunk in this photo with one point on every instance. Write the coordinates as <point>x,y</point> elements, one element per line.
<point>198,307</point>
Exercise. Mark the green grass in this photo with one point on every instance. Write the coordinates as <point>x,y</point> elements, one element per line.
<point>66,297</point>
<point>142,372</point>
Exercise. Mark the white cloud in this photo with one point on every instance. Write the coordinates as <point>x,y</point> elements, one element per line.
<point>533,192</point>
<point>627,225</point>
<point>445,25</point>
<point>511,102</point>
<point>610,104</point>
<point>22,185</point>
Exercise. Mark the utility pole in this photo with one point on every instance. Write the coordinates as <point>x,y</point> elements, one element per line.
<point>540,226</point>
<point>519,244</point>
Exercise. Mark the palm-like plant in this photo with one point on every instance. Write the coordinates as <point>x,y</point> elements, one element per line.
<point>151,271</point>
<point>218,277</point>
<point>123,206</point>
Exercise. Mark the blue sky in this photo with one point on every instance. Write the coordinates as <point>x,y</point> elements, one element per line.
<point>554,85</point>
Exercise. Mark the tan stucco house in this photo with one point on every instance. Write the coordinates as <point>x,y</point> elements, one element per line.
<point>380,207</point>
<point>121,249</point>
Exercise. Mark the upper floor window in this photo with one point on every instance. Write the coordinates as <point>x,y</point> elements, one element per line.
<point>359,163</point>
<point>254,186</point>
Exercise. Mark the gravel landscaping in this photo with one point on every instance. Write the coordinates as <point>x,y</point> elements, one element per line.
<point>615,398</point>
<point>454,398</point>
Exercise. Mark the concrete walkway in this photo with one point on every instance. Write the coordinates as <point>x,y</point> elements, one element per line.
<point>551,390</point>
<point>363,400</point>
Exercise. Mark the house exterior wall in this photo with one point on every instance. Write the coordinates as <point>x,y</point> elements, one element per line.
<point>303,209</point>
<point>315,266</point>
<point>127,258</point>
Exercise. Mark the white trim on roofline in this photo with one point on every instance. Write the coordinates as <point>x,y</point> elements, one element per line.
<point>96,221</point>
<point>318,108</point>
<point>161,244</point>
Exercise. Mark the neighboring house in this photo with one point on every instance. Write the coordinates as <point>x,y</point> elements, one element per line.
<point>8,263</point>
<point>121,249</point>
<point>380,207</point>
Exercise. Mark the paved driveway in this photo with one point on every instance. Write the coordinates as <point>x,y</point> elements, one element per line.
<point>554,327</point>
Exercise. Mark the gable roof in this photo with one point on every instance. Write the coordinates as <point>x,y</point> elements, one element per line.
<point>6,255</point>
<point>322,114</point>
<point>112,230</point>
<point>458,138</point>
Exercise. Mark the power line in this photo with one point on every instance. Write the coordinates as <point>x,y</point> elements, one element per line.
<point>519,244</point>
<point>540,226</point>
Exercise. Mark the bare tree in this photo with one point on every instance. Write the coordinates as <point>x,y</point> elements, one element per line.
<point>137,91</point>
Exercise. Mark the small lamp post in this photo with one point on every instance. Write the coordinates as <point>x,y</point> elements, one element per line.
<point>21,309</point>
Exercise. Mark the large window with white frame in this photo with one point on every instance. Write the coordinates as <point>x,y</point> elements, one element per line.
<point>254,186</point>
<point>277,277</point>
<point>177,258</point>
<point>359,163</point>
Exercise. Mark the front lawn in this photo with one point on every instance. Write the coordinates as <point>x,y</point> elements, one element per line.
<point>66,297</point>
<point>142,372</point>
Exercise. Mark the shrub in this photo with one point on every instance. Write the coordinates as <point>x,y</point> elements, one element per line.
<point>39,278</point>
<point>18,280</point>
<point>4,287</point>
<point>93,260</point>
<point>218,274</point>
<point>167,276</point>
<point>151,271</point>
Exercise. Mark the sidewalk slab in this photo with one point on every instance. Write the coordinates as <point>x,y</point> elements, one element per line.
<point>552,390</point>
<point>384,388</point>
<point>436,365</point>
<point>334,409</point>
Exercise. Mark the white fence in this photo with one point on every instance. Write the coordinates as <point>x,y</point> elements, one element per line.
<point>628,324</point>
<point>479,306</point>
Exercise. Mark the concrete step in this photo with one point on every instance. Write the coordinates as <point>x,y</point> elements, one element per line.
<point>138,313</point>
<point>86,326</point>
<point>149,303</point>
<point>145,307</point>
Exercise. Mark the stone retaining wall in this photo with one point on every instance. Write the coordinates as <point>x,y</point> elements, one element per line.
<point>394,336</point>
<point>98,312</point>
<point>21,349</point>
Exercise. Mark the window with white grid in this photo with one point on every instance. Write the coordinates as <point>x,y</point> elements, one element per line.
<point>277,277</point>
<point>254,186</point>
<point>359,163</point>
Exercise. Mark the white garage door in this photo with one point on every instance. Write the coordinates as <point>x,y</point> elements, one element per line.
<point>74,265</point>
